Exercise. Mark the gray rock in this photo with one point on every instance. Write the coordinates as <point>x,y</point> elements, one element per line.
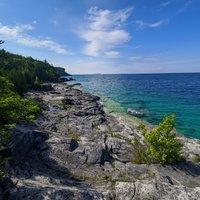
<point>21,143</point>
<point>154,190</point>
<point>46,87</point>
<point>50,165</point>
<point>73,145</point>
<point>68,101</point>
<point>96,154</point>
<point>120,149</point>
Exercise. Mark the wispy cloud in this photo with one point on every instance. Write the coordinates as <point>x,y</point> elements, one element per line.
<point>142,59</point>
<point>135,58</point>
<point>14,31</point>
<point>18,34</point>
<point>185,6</point>
<point>166,3</point>
<point>104,31</point>
<point>141,24</point>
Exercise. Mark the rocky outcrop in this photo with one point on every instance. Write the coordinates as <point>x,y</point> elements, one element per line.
<point>74,150</point>
<point>61,71</point>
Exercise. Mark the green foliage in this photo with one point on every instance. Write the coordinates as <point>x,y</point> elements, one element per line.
<point>152,174</point>
<point>139,151</point>
<point>17,75</point>
<point>163,146</point>
<point>74,136</point>
<point>12,109</point>
<point>196,159</point>
<point>25,72</point>
<point>37,82</point>
<point>110,132</point>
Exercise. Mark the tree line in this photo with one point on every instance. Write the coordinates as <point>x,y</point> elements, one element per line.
<point>25,72</point>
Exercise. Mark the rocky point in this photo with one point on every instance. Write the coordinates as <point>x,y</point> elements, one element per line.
<point>74,150</point>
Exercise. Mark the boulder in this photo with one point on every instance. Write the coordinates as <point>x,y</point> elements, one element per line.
<point>96,154</point>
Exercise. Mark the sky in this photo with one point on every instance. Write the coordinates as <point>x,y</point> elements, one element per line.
<point>105,36</point>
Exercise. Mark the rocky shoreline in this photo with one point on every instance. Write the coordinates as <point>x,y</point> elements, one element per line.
<point>74,150</point>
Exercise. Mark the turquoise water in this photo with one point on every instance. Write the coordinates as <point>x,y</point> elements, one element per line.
<point>153,94</point>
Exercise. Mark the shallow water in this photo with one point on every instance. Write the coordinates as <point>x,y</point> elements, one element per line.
<point>153,94</point>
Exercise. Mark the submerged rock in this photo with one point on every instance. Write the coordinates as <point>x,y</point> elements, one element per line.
<point>135,113</point>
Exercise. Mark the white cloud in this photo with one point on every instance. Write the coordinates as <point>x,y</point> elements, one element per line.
<point>18,34</point>
<point>103,32</point>
<point>106,19</point>
<point>135,58</point>
<point>42,43</point>
<point>141,24</point>
<point>156,24</point>
<point>100,42</point>
<point>166,3</point>
<point>113,54</point>
<point>14,31</point>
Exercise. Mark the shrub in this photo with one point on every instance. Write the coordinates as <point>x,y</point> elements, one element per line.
<point>196,159</point>
<point>163,146</point>
<point>74,136</point>
<point>139,151</point>
<point>12,109</point>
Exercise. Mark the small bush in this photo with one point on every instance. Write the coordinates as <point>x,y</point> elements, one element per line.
<point>110,133</point>
<point>139,151</point>
<point>163,146</point>
<point>196,159</point>
<point>152,174</point>
<point>74,136</point>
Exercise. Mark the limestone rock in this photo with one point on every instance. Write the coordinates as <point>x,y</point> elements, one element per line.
<point>48,163</point>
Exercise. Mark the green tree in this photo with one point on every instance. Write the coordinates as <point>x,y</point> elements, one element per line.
<point>163,146</point>
<point>37,83</point>
<point>12,109</point>
<point>18,78</point>
<point>22,71</point>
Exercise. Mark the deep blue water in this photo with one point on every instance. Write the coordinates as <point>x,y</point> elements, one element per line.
<point>153,94</point>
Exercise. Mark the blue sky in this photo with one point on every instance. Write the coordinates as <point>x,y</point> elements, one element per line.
<point>105,36</point>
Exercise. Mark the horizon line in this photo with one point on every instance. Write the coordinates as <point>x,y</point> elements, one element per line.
<point>137,73</point>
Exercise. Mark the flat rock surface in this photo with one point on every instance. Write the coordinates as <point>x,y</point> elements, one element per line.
<point>74,150</point>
